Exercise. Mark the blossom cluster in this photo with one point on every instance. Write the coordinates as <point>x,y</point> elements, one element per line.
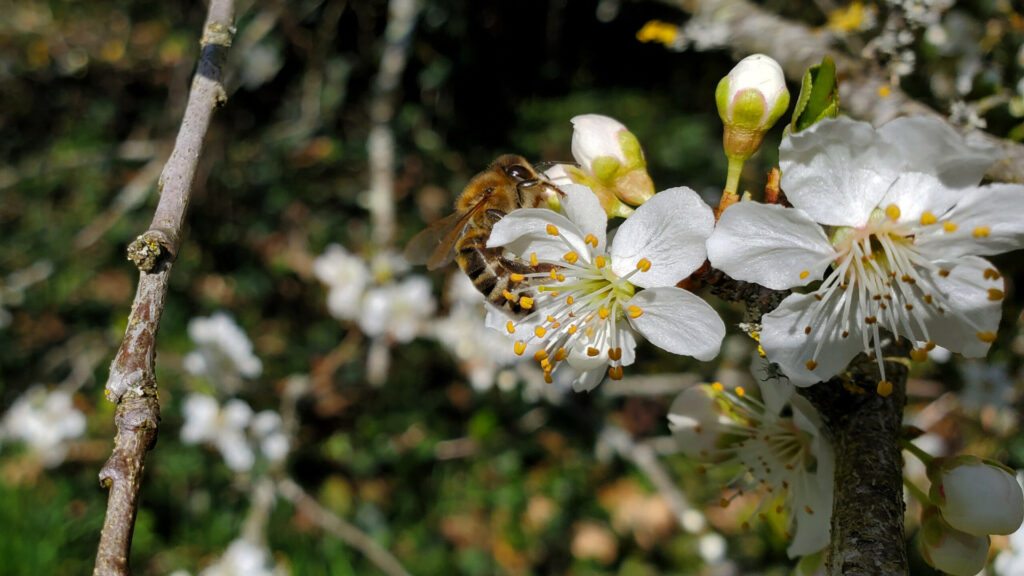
<point>45,421</point>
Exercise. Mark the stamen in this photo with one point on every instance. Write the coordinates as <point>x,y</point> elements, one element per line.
<point>919,355</point>
<point>600,262</point>
<point>591,239</point>
<point>981,232</point>
<point>893,212</point>
<point>540,355</point>
<point>884,388</point>
<point>560,355</point>
<point>516,277</point>
<point>615,354</point>
<point>949,226</point>
<point>540,331</point>
<point>603,312</point>
<point>552,230</point>
<point>615,372</point>
<point>927,218</point>
<point>635,311</point>
<point>591,351</point>
<point>811,364</point>
<point>526,302</point>
<point>994,294</point>
<point>510,327</point>
<point>990,274</point>
<point>804,274</point>
<point>533,259</point>
<point>571,257</point>
<point>987,337</point>
<point>643,265</point>
<point>519,347</point>
<point>508,295</point>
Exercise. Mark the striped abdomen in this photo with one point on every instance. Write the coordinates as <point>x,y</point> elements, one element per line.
<point>490,271</point>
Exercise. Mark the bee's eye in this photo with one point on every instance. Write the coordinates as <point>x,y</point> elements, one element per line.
<point>518,172</point>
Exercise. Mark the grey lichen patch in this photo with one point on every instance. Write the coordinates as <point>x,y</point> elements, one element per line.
<point>217,33</point>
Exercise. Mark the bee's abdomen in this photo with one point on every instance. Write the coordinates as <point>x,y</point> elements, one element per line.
<point>489,274</point>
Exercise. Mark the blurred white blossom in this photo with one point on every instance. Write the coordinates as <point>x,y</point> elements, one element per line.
<point>223,352</point>
<point>45,421</point>
<point>268,430</point>
<point>1010,562</point>
<point>346,276</point>
<point>221,426</point>
<point>400,310</point>
<point>243,558</point>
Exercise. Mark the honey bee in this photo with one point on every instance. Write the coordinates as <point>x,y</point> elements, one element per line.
<point>507,184</point>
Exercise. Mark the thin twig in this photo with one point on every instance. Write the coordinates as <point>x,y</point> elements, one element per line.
<point>132,381</point>
<point>330,522</point>
<point>644,458</point>
<point>864,91</point>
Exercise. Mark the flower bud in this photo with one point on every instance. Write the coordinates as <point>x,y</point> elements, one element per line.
<point>950,550</point>
<point>750,99</point>
<point>611,163</point>
<point>699,421</point>
<point>976,496</point>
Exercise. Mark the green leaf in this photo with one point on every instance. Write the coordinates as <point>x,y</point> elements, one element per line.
<point>819,96</point>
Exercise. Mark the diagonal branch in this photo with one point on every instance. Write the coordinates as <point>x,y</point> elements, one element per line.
<point>797,47</point>
<point>132,381</point>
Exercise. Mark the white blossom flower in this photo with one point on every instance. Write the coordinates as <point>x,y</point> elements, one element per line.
<point>896,217</point>
<point>977,496</point>
<point>243,558</point>
<point>223,352</point>
<point>1010,562</point>
<point>590,305</point>
<point>784,451</point>
<point>346,276</point>
<point>268,430</point>
<point>45,421</point>
<point>224,427</point>
<point>399,311</point>
<point>950,550</point>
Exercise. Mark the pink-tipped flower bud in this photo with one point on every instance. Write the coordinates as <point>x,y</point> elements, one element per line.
<point>947,549</point>
<point>976,496</point>
<point>750,99</point>
<point>611,163</point>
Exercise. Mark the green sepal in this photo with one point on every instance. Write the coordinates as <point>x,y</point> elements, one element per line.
<point>605,168</point>
<point>631,150</point>
<point>819,96</point>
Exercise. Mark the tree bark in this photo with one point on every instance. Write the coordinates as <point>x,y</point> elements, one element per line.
<point>132,382</point>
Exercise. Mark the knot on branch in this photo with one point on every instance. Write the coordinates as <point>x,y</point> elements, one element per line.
<point>150,250</point>
<point>217,33</point>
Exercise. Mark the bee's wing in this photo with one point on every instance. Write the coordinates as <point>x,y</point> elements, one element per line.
<point>433,246</point>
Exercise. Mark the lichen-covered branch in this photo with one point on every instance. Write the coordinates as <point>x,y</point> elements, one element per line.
<point>867,512</point>
<point>132,381</point>
<point>861,85</point>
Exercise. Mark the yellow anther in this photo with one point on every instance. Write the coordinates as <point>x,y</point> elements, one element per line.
<point>547,377</point>
<point>571,257</point>
<point>551,318</point>
<point>893,212</point>
<point>569,300</point>
<point>526,302</point>
<point>519,347</point>
<point>884,388</point>
<point>600,262</point>
<point>554,294</point>
<point>929,346</point>
<point>545,364</point>
<point>949,226</point>
<point>540,355</point>
<point>508,295</point>
<point>615,354</point>
<point>761,352</point>
<point>990,274</point>
<point>591,351</point>
<point>927,218</point>
<point>572,329</point>
<point>510,327</point>
<point>811,364</point>
<point>552,229</point>
<point>805,274</point>
<point>717,387</point>
<point>553,274</point>
<point>740,391</point>
<point>540,331</point>
<point>944,273</point>
<point>982,232</point>
<point>591,239</point>
<point>603,312</point>
<point>987,337</point>
<point>560,355</point>
<point>635,311</point>
<point>533,259</point>
<point>615,372</point>
<point>919,355</point>
<point>560,277</point>
<point>516,277</point>
<point>643,265</point>
<point>995,295</point>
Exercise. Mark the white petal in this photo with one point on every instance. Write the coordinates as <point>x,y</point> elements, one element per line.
<point>784,339</point>
<point>679,322</point>
<point>837,171</point>
<point>971,311</point>
<point>593,136</point>
<point>988,221</point>
<point>524,232</point>
<point>670,230</point>
<point>776,391</point>
<point>770,245</point>
<point>584,209</point>
<point>698,426</point>
<point>930,145</point>
<point>811,492</point>
<point>558,175</point>
<point>916,192</point>
<point>588,380</point>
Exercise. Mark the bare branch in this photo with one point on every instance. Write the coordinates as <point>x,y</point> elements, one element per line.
<point>347,532</point>
<point>797,47</point>
<point>132,381</point>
